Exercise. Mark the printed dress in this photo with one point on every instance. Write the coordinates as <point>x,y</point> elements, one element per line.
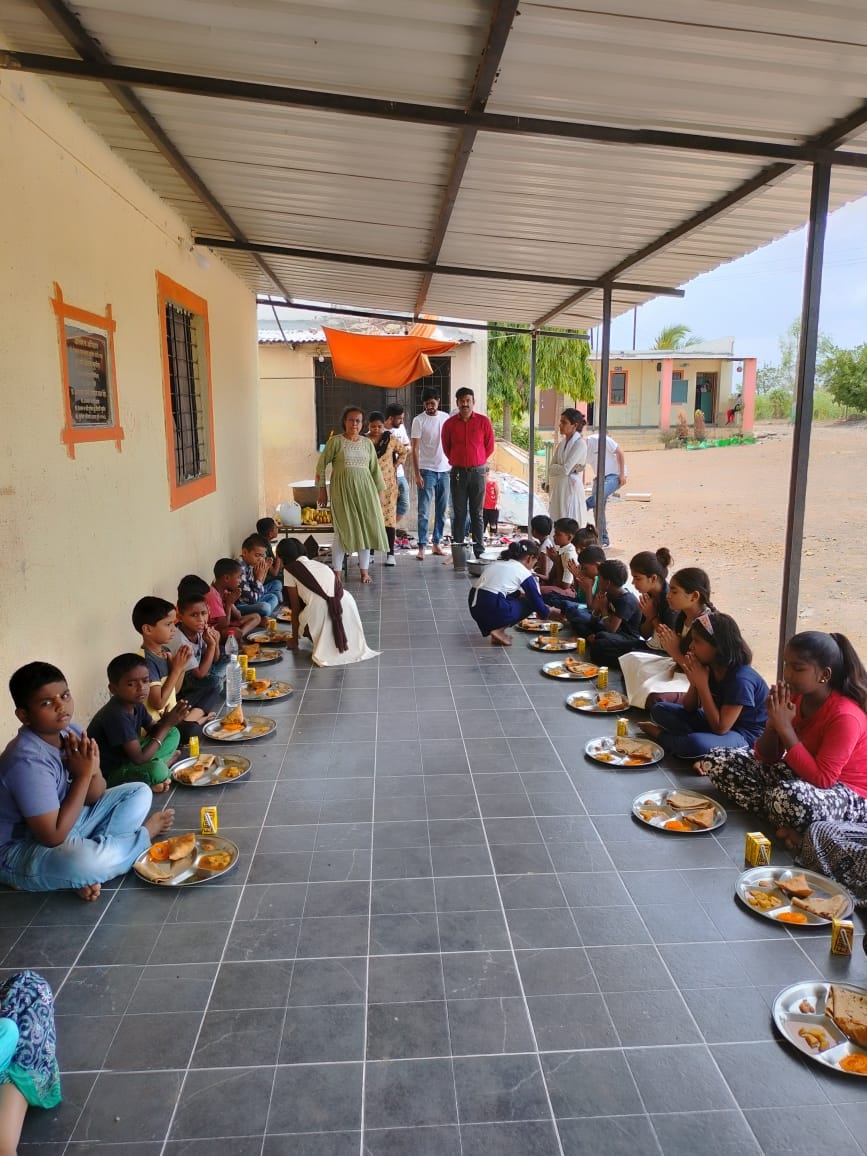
<point>356,483</point>
<point>388,467</point>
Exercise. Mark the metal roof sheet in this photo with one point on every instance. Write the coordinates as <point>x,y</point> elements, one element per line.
<point>333,182</point>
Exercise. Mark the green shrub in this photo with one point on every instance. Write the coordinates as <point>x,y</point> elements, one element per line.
<point>520,436</point>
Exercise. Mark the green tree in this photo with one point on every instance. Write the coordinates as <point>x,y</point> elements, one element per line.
<point>846,377</point>
<point>769,378</point>
<point>676,337</point>
<point>562,364</point>
<point>788,367</point>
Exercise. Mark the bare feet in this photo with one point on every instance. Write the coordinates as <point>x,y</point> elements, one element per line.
<point>438,549</point>
<point>500,638</point>
<point>160,788</point>
<point>159,821</point>
<point>790,837</point>
<point>365,578</point>
<point>650,729</point>
<point>420,555</point>
<point>90,892</point>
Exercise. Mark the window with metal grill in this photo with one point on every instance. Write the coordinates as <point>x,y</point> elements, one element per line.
<point>617,389</point>
<point>187,393</point>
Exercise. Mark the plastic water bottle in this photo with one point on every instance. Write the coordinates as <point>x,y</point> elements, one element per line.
<point>234,674</point>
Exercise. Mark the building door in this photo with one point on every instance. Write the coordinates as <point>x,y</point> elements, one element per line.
<point>705,394</point>
<point>333,395</point>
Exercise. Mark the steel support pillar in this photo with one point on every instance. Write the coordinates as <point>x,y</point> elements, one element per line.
<point>601,416</point>
<point>819,195</point>
<point>531,469</point>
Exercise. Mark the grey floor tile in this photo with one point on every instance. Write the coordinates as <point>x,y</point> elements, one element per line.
<point>533,927</point>
<point>436,1141</point>
<point>645,1018</point>
<point>678,1079</point>
<point>721,1133</point>
<point>500,1088</point>
<point>728,1015</point>
<point>397,934</point>
<point>479,974</point>
<point>610,926</point>
<point>531,891</point>
<point>153,1041</point>
<point>489,1026</point>
<point>249,985</point>
<point>801,1131</point>
<point>570,1022</point>
<point>327,981</point>
<point>637,968</point>
<point>129,1107</point>
<point>253,939</point>
<point>333,935</point>
<point>109,989</point>
<point>409,1093</point>
<point>591,1083</point>
<point>399,896</point>
<point>316,1098</point>
<point>319,1035</point>
<point>401,1031</point>
<point>405,978</point>
<point>704,965</point>
<point>83,1041</point>
<point>767,1075</point>
<point>172,987</point>
<point>472,859</point>
<point>239,1038</point>
<point>556,971</point>
<point>611,1135</point>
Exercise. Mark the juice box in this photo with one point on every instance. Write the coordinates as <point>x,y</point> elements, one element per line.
<point>842,934</point>
<point>194,746</point>
<point>582,645</point>
<point>271,625</point>
<point>602,678</point>
<point>243,662</point>
<point>209,820</point>
<point>757,852</point>
<point>622,728</point>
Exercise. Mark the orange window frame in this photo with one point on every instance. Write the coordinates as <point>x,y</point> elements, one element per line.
<point>171,292</point>
<point>625,375</point>
<point>71,434</point>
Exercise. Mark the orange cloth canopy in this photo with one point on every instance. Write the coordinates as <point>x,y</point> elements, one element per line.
<point>391,362</point>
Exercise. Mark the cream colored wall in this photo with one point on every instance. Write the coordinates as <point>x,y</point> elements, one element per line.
<point>84,539</point>
<point>642,394</point>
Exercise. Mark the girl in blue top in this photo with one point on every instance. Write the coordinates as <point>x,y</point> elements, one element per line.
<point>725,705</point>
<point>507,591</point>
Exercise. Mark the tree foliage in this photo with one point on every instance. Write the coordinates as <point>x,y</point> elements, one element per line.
<point>782,376</point>
<point>845,373</point>
<point>676,337</point>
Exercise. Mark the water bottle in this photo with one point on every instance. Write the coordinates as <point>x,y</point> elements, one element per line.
<point>234,675</point>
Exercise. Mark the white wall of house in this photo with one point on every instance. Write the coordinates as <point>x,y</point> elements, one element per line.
<point>84,538</point>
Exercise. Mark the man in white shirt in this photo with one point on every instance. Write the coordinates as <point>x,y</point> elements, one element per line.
<point>394,422</point>
<point>615,477</point>
<point>431,470</point>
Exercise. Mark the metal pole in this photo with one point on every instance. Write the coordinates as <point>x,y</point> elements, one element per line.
<point>813,260</point>
<point>634,326</point>
<point>532,401</point>
<point>602,415</point>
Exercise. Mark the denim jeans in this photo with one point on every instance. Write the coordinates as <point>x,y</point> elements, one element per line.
<point>468,490</point>
<point>105,840</point>
<point>686,733</point>
<point>436,489</point>
<point>402,497</point>
<point>612,483</point>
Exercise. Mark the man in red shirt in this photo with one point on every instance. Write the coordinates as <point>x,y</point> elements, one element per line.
<point>468,442</point>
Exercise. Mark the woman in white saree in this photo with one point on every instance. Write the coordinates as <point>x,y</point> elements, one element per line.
<point>566,471</point>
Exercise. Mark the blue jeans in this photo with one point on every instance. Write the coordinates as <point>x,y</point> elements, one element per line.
<point>685,733</point>
<point>105,840</point>
<point>436,488</point>
<point>268,603</point>
<point>612,483</point>
<point>402,497</point>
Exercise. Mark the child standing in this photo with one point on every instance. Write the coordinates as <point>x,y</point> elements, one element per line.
<point>726,704</point>
<point>506,592</point>
<point>132,747</point>
<point>491,505</point>
<point>657,674</point>
<point>59,826</point>
<point>810,762</point>
<point>616,616</point>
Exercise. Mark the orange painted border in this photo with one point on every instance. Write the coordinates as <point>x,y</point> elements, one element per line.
<point>72,435</point>
<point>171,291</point>
<point>625,373</point>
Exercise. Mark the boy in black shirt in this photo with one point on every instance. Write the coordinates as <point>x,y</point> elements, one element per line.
<point>614,610</point>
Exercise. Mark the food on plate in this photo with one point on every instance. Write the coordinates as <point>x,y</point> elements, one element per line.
<point>199,768</point>
<point>763,900</point>
<point>684,802</point>
<point>806,1007</point>
<point>218,861</point>
<point>827,907</point>
<point>791,917</point>
<point>634,762</point>
<point>234,720</point>
<point>581,700</point>
<point>170,850</point>
<point>677,825</point>
<point>848,1010</point>
<point>635,748</point>
<point>231,773</point>
<point>603,756</point>
<point>815,1038</point>
<point>651,811</point>
<point>611,700</point>
<point>856,1063</point>
<point>261,729</point>
<point>251,649</point>
<point>259,685</point>
<point>704,818</point>
<point>796,885</point>
<point>576,666</point>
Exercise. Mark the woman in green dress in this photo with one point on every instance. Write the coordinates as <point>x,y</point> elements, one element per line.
<point>356,483</point>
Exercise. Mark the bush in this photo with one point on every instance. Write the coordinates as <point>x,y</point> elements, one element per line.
<point>520,436</point>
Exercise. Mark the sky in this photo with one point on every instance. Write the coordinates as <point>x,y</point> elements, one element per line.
<point>756,298</point>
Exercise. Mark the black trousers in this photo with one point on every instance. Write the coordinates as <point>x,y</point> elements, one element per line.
<point>468,493</point>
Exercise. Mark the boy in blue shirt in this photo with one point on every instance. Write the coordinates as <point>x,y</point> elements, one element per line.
<point>133,748</point>
<point>260,594</point>
<point>59,825</point>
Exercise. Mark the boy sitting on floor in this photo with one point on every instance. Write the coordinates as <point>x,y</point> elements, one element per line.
<point>154,619</point>
<point>59,826</point>
<point>267,528</point>
<point>560,580</point>
<point>132,747</point>
<point>203,678</point>
<point>259,593</point>
<point>224,592</point>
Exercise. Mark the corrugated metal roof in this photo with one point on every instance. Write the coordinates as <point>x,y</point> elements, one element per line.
<point>331,182</point>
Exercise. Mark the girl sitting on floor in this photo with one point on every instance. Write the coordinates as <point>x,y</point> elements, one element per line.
<point>507,591</point>
<point>810,761</point>
<point>650,578</point>
<point>657,675</point>
<point>725,705</point>
<point>29,1075</point>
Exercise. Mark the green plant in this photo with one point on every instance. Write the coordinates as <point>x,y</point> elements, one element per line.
<point>676,337</point>
<point>846,377</point>
<point>520,436</point>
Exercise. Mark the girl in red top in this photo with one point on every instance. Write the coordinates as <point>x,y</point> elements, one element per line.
<point>810,762</point>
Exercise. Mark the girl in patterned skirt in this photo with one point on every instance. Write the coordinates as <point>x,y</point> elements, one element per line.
<point>810,762</point>
<point>29,1075</point>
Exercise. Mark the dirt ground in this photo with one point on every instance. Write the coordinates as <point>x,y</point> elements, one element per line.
<point>725,510</point>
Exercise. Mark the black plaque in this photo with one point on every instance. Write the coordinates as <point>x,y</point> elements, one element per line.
<point>89,386</point>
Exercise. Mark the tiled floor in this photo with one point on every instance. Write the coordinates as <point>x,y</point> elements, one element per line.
<point>446,936</point>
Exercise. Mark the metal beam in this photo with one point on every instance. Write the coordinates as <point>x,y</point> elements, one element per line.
<point>601,418</point>
<point>504,14</point>
<point>405,112</point>
<point>411,318</point>
<point>831,137</point>
<point>425,266</point>
<point>531,465</point>
<point>77,36</point>
<point>819,197</point>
